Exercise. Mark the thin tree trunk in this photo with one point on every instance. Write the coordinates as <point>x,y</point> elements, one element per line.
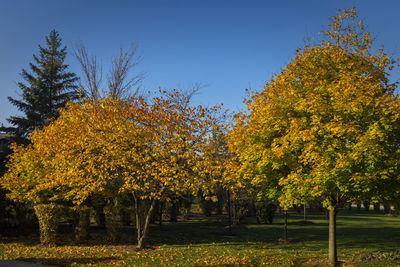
<point>142,238</point>
<point>366,205</point>
<point>386,208</point>
<point>377,207</point>
<point>285,226</point>
<point>161,209</point>
<point>229,209</point>
<point>332,236</point>
<point>137,215</point>
<point>142,230</point>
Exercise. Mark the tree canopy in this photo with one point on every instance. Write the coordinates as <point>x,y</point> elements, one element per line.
<point>327,126</point>
<point>110,146</point>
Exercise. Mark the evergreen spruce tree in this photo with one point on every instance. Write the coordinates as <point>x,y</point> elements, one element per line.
<point>46,89</point>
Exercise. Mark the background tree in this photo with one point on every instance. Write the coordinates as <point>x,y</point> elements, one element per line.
<point>326,127</point>
<point>48,87</point>
<point>120,82</point>
<point>92,72</point>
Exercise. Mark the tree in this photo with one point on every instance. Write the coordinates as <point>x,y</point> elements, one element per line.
<point>179,150</point>
<point>112,146</point>
<point>120,83</point>
<point>326,127</point>
<point>48,87</point>
<point>92,72</point>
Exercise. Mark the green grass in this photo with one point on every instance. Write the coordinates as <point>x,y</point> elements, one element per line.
<point>364,239</point>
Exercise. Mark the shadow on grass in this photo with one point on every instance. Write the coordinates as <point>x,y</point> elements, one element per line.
<point>66,261</point>
<point>358,230</point>
<point>354,230</point>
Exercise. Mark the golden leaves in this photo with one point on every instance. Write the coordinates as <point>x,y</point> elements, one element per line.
<point>113,144</point>
<point>328,115</point>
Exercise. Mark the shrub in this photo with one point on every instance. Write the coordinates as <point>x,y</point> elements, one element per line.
<point>207,206</point>
<point>48,216</point>
<point>172,210</point>
<point>377,207</point>
<point>366,204</point>
<point>24,216</point>
<point>126,215</point>
<point>387,208</point>
<point>265,212</point>
<point>113,222</point>
<point>240,208</point>
<point>99,216</point>
<point>185,207</point>
<point>81,218</point>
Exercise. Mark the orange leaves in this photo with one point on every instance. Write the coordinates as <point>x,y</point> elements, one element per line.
<point>113,145</point>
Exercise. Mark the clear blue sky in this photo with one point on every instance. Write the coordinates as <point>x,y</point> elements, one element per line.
<point>228,45</point>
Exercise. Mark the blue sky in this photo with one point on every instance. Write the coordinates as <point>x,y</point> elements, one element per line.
<point>227,45</point>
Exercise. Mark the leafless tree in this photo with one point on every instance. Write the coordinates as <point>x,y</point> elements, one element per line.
<point>92,72</point>
<point>120,82</point>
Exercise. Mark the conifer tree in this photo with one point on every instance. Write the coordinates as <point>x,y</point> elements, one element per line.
<point>47,87</point>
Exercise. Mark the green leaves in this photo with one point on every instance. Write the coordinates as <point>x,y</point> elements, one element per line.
<point>326,126</point>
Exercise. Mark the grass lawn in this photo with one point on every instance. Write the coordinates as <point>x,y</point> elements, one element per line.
<point>364,239</point>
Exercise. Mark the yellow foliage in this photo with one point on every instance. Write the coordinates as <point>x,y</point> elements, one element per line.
<point>331,115</point>
<point>113,145</point>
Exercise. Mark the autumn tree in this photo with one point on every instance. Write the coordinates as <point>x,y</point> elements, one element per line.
<point>179,154</point>
<point>326,127</point>
<point>111,146</point>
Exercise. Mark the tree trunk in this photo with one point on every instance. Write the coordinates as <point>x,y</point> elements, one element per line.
<point>366,205</point>
<point>285,226</point>
<point>173,212</point>
<point>100,217</point>
<point>332,236</point>
<point>142,230</point>
<point>160,213</point>
<point>229,209</point>
<point>377,207</point>
<point>137,216</point>
<point>386,208</point>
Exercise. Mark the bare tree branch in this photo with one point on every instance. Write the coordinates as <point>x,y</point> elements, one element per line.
<point>119,83</point>
<point>188,93</point>
<point>92,72</point>
<point>194,90</point>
